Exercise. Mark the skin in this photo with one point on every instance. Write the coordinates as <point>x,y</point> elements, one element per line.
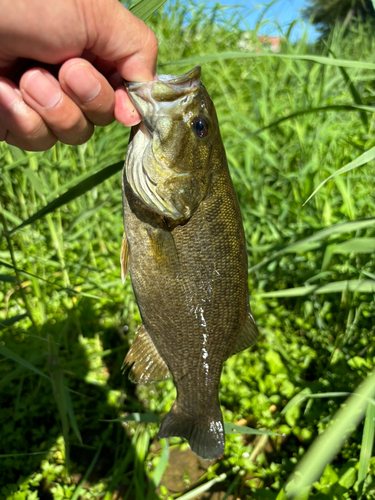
<point>61,69</point>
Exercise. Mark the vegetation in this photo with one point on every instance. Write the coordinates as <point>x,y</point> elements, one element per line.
<point>71,425</point>
<point>326,13</point>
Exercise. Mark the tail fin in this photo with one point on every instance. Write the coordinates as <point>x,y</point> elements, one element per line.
<point>205,433</point>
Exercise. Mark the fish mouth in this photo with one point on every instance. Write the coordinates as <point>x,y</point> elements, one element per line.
<point>166,96</point>
<point>163,95</point>
<point>178,85</point>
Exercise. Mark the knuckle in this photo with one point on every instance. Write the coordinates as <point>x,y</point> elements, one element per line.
<point>41,144</point>
<point>68,122</point>
<point>34,129</point>
<point>77,137</point>
<point>102,120</point>
<point>36,136</point>
<point>47,143</point>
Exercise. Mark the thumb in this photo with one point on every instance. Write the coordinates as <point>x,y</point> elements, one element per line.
<point>115,34</point>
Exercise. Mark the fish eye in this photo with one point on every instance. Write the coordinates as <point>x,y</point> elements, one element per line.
<point>200,127</point>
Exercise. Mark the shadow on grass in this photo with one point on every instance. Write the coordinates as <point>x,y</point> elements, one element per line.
<point>31,449</point>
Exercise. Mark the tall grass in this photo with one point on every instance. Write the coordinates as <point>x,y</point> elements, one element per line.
<point>289,121</point>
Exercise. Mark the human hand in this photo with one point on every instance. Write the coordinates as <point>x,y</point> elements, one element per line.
<point>61,69</point>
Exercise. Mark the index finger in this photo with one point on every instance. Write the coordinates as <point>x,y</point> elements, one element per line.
<point>115,34</point>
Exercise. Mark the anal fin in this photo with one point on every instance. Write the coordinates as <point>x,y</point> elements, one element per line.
<point>146,363</point>
<point>124,257</point>
<point>247,336</point>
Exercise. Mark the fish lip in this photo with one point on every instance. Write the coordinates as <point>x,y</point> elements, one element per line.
<point>191,78</point>
<point>143,107</point>
<point>169,97</point>
<point>149,101</point>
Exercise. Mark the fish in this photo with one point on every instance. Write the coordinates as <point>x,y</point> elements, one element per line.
<point>185,249</point>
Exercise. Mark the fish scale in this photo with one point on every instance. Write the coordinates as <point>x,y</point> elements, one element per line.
<point>188,265</point>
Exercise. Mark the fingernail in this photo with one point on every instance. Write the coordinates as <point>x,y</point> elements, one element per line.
<point>133,119</point>
<point>82,82</point>
<point>8,96</point>
<point>43,88</point>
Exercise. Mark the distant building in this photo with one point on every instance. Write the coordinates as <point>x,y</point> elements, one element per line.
<point>271,42</point>
<point>249,42</point>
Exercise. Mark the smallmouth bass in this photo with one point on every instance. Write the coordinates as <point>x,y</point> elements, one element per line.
<point>185,248</point>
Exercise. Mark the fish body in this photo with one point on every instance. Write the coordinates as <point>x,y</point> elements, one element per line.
<point>185,248</point>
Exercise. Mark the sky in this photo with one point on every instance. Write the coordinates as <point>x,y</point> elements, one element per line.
<point>281,11</point>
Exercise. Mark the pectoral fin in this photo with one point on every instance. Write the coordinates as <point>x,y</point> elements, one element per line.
<point>164,252</point>
<point>146,363</point>
<point>124,257</point>
<point>247,337</point>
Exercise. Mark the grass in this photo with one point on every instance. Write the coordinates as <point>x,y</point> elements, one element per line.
<point>71,425</point>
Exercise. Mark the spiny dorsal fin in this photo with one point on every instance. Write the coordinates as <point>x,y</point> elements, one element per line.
<point>247,337</point>
<point>124,257</point>
<point>146,363</point>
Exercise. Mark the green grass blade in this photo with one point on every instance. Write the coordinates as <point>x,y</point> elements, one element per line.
<point>296,400</point>
<point>328,61</point>
<point>71,415</point>
<point>162,464</point>
<point>21,161</point>
<point>306,394</point>
<point>336,229</point>
<point>328,444</point>
<point>12,455</point>
<point>366,447</point>
<point>362,286</point>
<point>59,287</point>
<point>358,245</point>
<point>354,92</point>
<point>243,429</point>
<point>145,8</point>
<point>91,466</point>
<point>328,254</point>
<point>8,278</point>
<point>137,417</point>
<point>60,392</point>
<point>8,353</point>
<point>305,243</point>
<point>235,481</point>
<point>73,193</point>
<point>10,321</point>
<point>282,496</point>
<point>303,112</point>
<point>204,487</point>
<point>358,162</point>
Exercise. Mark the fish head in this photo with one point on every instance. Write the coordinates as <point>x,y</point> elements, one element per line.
<point>168,160</point>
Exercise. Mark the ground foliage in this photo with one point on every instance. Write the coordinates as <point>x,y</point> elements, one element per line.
<point>63,307</point>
